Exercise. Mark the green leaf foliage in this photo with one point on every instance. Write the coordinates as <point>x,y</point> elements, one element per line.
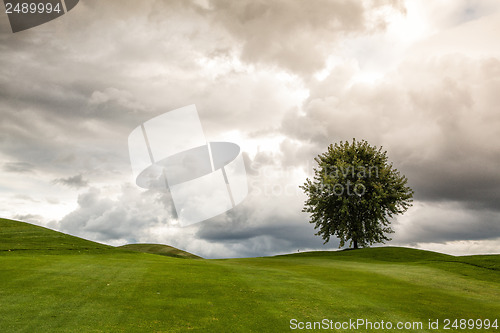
<point>354,194</point>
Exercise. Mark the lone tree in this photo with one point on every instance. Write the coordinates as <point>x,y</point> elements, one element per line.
<point>354,193</point>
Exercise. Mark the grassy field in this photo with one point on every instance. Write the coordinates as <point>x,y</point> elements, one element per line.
<point>51,282</point>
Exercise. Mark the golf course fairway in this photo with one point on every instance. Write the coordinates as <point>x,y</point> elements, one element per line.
<point>52,282</point>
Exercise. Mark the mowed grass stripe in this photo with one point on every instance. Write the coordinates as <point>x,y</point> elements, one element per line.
<point>139,292</point>
<point>390,292</point>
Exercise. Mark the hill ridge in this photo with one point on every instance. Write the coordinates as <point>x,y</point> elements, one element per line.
<point>159,249</point>
<point>46,240</point>
<point>19,236</point>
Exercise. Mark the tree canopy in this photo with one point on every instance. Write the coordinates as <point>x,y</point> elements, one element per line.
<point>354,193</point>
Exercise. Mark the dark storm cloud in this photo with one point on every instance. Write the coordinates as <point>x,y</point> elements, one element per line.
<point>76,181</point>
<point>18,167</point>
<point>30,218</point>
<point>262,217</point>
<point>58,125</point>
<point>56,144</point>
<point>284,236</point>
<point>446,222</point>
<point>77,93</point>
<point>295,35</point>
<point>105,219</point>
<point>79,84</point>
<point>239,224</point>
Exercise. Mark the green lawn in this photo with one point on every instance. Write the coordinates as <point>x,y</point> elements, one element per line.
<point>51,282</point>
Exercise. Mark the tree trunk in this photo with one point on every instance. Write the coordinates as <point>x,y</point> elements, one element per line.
<point>355,243</point>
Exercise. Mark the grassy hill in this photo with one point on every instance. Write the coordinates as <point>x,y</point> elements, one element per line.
<point>21,236</point>
<point>163,250</point>
<point>52,282</point>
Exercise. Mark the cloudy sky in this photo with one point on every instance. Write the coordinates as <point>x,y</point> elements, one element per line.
<point>283,79</point>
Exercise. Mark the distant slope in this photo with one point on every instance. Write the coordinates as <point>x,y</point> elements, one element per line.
<point>22,236</point>
<point>386,253</point>
<point>160,249</point>
<point>399,255</point>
